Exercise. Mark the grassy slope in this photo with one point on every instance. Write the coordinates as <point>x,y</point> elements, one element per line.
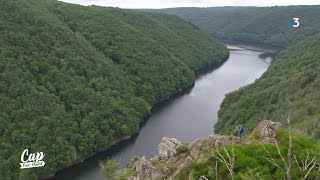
<point>74,80</point>
<point>250,160</point>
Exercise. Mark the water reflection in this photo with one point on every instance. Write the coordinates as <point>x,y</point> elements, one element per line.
<point>186,117</point>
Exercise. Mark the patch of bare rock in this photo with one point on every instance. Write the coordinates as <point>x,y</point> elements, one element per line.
<point>168,164</point>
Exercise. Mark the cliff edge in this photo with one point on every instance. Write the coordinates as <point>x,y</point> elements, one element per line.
<point>175,157</point>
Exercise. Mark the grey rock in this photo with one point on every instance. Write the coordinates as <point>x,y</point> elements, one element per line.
<point>155,158</point>
<point>190,158</point>
<point>167,147</point>
<point>195,148</point>
<point>218,140</point>
<point>194,153</point>
<point>266,131</point>
<point>146,170</point>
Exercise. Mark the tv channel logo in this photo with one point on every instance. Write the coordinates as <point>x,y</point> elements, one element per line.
<point>295,23</point>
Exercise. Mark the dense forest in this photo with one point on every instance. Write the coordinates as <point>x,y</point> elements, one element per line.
<point>290,85</point>
<point>253,24</point>
<point>75,80</point>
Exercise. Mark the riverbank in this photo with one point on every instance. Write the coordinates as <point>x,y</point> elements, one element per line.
<point>125,140</point>
<point>194,110</point>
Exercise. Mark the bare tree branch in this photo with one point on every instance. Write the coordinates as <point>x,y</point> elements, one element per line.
<point>275,164</point>
<point>312,161</point>
<point>223,160</point>
<point>203,178</point>
<point>318,171</point>
<point>217,170</point>
<point>279,152</point>
<point>228,163</point>
<point>227,153</point>
<point>288,173</point>
<point>307,174</point>
<point>296,160</point>
<point>271,160</point>
<point>305,164</point>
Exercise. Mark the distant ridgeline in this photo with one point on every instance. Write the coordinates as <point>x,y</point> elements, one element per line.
<point>254,24</point>
<point>292,82</point>
<point>75,80</point>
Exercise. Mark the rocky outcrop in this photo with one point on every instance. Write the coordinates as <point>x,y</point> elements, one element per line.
<point>219,140</point>
<point>145,170</point>
<point>167,147</point>
<point>196,148</point>
<point>168,164</point>
<point>266,131</point>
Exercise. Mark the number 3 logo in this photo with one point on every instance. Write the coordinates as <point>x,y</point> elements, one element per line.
<point>296,20</point>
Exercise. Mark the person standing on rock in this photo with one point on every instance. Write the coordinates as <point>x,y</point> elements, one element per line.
<point>236,132</point>
<point>240,132</point>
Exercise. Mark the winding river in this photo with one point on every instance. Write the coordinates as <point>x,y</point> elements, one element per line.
<point>186,117</point>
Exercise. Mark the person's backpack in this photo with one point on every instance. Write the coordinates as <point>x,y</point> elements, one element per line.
<point>241,130</point>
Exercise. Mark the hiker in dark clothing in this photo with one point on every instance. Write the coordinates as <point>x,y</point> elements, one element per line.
<point>240,132</point>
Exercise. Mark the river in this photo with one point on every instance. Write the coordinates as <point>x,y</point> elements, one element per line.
<point>186,117</point>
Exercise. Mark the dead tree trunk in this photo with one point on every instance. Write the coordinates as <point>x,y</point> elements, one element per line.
<point>288,173</point>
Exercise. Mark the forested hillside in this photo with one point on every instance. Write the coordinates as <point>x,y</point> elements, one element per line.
<point>254,24</point>
<point>290,85</point>
<point>74,80</point>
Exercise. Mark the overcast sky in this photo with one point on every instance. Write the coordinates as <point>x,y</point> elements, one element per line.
<point>190,3</point>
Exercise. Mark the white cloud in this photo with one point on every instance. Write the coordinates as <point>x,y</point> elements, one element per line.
<point>190,3</point>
